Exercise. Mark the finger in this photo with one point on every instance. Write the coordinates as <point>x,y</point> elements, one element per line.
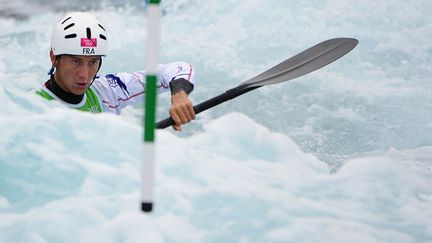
<point>183,116</point>
<point>191,111</point>
<point>177,128</point>
<point>183,113</point>
<point>174,115</point>
<point>186,112</point>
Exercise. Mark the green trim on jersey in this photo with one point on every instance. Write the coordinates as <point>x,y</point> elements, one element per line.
<point>44,94</point>
<point>92,103</point>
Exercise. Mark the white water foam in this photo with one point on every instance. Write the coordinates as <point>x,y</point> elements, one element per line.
<point>343,154</point>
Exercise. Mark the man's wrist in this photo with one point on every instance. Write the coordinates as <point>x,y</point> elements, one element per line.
<point>180,84</point>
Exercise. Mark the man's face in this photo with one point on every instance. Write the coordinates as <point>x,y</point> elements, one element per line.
<point>74,74</point>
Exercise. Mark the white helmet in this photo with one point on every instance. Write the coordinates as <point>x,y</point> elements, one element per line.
<point>80,34</point>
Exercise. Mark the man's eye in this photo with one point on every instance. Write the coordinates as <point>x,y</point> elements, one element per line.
<point>76,62</point>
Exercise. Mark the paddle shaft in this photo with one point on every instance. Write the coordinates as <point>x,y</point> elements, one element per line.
<point>228,95</point>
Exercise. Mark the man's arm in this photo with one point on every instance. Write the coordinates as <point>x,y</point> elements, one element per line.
<point>181,84</point>
<point>116,91</point>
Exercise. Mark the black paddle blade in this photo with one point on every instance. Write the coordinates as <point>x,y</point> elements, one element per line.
<point>305,62</point>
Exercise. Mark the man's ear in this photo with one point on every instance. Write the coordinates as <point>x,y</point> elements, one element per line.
<point>52,57</point>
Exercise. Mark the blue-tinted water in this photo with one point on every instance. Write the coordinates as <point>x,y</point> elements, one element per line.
<point>341,155</point>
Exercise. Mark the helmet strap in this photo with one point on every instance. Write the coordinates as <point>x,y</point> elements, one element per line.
<point>100,64</point>
<point>51,71</point>
<point>53,68</point>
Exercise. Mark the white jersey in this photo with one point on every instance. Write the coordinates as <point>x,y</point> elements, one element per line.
<point>116,91</point>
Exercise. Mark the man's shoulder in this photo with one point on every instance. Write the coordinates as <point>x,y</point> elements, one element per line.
<point>42,92</point>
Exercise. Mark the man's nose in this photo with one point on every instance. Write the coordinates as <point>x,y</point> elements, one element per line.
<point>84,72</point>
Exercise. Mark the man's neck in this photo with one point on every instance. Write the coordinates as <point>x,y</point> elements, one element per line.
<point>67,97</point>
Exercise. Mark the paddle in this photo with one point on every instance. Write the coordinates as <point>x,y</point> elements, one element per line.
<point>305,62</point>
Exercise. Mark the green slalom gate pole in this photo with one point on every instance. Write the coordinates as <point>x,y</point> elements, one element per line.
<point>148,170</point>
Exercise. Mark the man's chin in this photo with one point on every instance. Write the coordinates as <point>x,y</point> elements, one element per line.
<point>79,91</point>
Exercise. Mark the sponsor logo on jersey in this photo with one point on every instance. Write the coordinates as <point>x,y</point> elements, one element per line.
<point>115,81</point>
<point>94,109</point>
